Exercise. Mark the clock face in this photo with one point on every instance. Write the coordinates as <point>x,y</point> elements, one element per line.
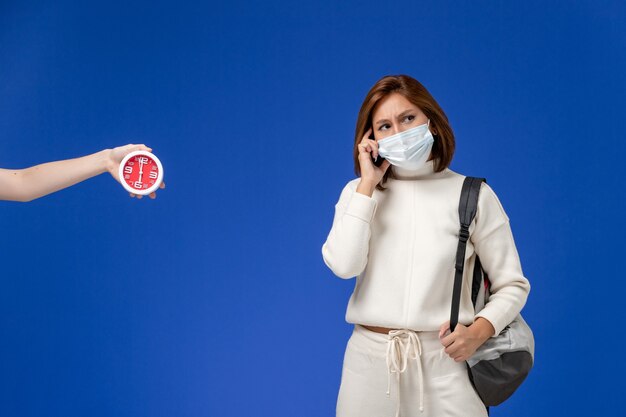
<point>141,172</point>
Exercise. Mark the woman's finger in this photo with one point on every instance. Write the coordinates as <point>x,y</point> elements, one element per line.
<point>374,146</point>
<point>447,339</point>
<point>364,148</point>
<point>445,326</point>
<point>452,349</point>
<point>367,134</point>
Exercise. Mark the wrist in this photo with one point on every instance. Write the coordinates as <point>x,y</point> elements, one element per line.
<point>482,328</point>
<point>106,162</point>
<point>366,187</point>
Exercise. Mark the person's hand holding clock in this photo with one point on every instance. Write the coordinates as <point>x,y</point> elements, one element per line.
<point>138,170</point>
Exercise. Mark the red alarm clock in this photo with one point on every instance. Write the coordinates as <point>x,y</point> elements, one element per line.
<point>141,172</point>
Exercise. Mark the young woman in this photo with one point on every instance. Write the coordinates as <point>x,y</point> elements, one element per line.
<point>396,229</point>
<point>37,181</point>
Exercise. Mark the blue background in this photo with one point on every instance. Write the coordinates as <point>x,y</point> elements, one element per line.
<point>213,300</point>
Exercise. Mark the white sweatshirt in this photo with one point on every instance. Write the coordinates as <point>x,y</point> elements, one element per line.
<point>401,245</point>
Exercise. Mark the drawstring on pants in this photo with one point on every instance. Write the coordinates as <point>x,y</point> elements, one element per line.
<point>404,345</point>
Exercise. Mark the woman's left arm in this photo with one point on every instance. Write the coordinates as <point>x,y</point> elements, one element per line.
<point>493,243</point>
<point>37,181</point>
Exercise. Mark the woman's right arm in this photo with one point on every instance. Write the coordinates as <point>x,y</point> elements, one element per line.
<point>346,248</point>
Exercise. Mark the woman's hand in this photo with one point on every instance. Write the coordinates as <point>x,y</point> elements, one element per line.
<point>115,158</point>
<point>462,343</point>
<point>370,173</point>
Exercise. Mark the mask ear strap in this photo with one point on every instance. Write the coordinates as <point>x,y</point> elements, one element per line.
<point>428,124</point>
<point>434,134</point>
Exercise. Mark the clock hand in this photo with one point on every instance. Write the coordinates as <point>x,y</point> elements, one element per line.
<point>140,171</point>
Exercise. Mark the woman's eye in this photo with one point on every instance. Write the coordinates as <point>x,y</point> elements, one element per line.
<point>409,118</point>
<point>383,127</point>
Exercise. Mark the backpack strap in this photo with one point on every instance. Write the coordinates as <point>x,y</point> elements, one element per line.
<point>468,205</point>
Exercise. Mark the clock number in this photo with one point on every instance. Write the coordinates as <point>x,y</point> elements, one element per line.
<point>143,160</point>
<point>153,175</point>
<point>138,185</point>
<point>128,170</point>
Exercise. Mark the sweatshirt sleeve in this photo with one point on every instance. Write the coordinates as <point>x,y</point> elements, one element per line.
<point>346,248</point>
<point>494,244</point>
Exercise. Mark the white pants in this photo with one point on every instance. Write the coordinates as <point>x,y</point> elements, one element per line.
<point>404,373</point>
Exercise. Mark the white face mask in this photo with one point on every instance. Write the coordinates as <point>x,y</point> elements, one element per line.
<point>409,149</point>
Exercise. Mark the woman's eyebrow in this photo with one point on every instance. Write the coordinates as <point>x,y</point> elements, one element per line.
<point>404,113</point>
<point>400,116</point>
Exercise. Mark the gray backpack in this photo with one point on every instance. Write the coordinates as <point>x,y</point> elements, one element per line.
<point>500,365</point>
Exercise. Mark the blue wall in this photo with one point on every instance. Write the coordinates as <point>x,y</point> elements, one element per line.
<point>213,300</point>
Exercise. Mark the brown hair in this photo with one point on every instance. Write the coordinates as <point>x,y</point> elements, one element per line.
<point>416,93</point>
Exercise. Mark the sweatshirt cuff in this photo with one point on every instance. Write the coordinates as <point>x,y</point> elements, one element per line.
<point>498,324</point>
<point>361,206</point>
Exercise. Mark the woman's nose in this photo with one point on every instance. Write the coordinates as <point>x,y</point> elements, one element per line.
<point>402,128</point>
